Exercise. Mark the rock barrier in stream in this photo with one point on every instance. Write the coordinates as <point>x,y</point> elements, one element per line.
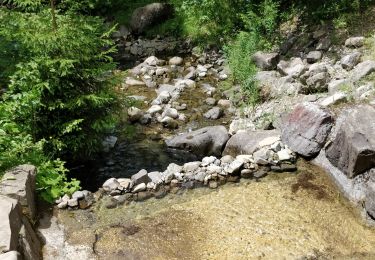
<point>271,156</point>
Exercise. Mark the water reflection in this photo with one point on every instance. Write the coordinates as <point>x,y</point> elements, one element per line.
<point>127,159</point>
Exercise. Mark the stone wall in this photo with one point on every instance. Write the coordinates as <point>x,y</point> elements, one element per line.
<point>18,239</point>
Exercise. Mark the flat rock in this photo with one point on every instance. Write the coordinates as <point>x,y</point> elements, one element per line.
<point>306,129</point>
<point>19,184</point>
<point>205,141</point>
<point>248,142</point>
<point>134,82</point>
<point>334,99</point>
<point>10,223</point>
<point>191,166</point>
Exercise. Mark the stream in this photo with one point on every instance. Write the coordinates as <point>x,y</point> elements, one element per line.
<point>282,216</point>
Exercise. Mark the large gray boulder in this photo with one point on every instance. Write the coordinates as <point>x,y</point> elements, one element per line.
<point>353,148</point>
<point>248,142</point>
<point>19,184</point>
<point>10,223</point>
<point>149,15</point>
<point>306,129</point>
<point>205,141</point>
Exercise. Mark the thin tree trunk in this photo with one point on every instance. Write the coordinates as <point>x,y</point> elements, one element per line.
<point>54,23</point>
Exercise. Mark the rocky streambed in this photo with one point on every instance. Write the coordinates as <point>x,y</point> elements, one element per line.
<point>202,179</point>
<point>283,216</point>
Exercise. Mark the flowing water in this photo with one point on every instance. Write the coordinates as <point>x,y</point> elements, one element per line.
<point>143,146</point>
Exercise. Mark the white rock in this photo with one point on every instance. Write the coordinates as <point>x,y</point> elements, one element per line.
<point>244,158</point>
<point>182,117</point>
<point>201,68</point>
<point>78,195</point>
<point>126,183</point>
<point>73,203</point>
<point>154,109</point>
<point>162,98</point>
<point>176,61</point>
<point>191,166</point>
<point>211,169</point>
<point>170,112</point>
<point>269,141</point>
<point>140,187</point>
<point>284,155</point>
<point>111,184</point>
<point>224,103</point>
<point>65,198</point>
<point>234,166</point>
<point>134,114</point>
<point>62,205</point>
<point>152,61</point>
<point>151,186</point>
<point>355,42</point>
<point>208,160</point>
<point>134,82</point>
<point>334,99</point>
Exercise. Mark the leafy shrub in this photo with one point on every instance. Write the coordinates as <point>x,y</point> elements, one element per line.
<point>258,34</point>
<point>60,100</point>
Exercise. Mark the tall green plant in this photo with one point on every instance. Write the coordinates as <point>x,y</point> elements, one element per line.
<point>60,97</point>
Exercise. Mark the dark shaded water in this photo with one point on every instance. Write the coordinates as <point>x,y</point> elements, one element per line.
<point>126,159</point>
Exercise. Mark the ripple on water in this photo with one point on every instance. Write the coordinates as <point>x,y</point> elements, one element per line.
<point>270,219</point>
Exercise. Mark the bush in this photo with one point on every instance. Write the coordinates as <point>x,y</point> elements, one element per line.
<point>258,34</point>
<point>60,100</point>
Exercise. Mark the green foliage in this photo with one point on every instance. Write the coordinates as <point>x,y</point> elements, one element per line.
<point>258,34</point>
<point>208,20</point>
<point>60,100</point>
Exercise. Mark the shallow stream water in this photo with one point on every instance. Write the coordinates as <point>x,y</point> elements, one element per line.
<point>143,146</point>
<point>283,216</point>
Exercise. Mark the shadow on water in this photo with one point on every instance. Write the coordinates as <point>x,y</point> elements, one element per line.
<point>126,159</point>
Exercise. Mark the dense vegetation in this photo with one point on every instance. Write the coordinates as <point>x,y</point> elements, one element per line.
<point>56,70</point>
<point>60,97</point>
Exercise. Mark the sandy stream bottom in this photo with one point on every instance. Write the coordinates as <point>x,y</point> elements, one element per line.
<point>283,216</point>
